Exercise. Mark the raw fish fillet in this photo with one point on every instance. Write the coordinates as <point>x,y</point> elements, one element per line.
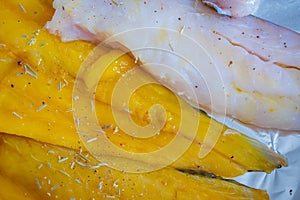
<point>245,68</point>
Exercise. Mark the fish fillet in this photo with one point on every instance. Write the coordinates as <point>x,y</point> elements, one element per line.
<point>245,68</point>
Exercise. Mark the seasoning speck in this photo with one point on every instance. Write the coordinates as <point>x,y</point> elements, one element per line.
<point>43,44</point>
<point>20,63</point>
<point>82,156</point>
<point>66,82</point>
<point>62,159</point>
<point>37,182</point>
<point>54,187</point>
<point>72,165</point>
<point>110,196</point>
<point>51,152</point>
<point>41,107</point>
<point>31,74</point>
<point>107,126</point>
<point>19,73</point>
<point>171,47</point>
<point>27,66</point>
<point>59,86</point>
<point>83,134</point>
<point>17,115</point>
<point>77,122</point>
<point>92,140</point>
<point>115,184</point>
<point>82,164</point>
<point>30,71</point>
<point>40,166</point>
<point>32,41</point>
<point>100,131</point>
<point>22,7</point>
<point>116,129</point>
<point>100,185</point>
<point>77,181</point>
<point>36,32</point>
<point>181,29</point>
<point>75,98</point>
<point>97,166</point>
<point>195,3</point>
<point>70,110</point>
<point>115,3</point>
<point>64,173</point>
<point>92,106</point>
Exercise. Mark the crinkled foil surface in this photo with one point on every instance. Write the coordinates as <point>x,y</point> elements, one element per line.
<point>281,12</point>
<point>283,183</point>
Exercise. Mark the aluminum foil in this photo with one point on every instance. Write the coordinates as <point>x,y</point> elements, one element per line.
<point>281,12</point>
<point>282,183</point>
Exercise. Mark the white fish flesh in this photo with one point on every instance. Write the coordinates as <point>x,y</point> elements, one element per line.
<point>253,67</point>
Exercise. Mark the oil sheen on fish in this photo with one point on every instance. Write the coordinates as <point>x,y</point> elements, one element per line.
<point>258,62</point>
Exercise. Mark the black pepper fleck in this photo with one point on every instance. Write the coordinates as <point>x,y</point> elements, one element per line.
<point>20,63</point>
